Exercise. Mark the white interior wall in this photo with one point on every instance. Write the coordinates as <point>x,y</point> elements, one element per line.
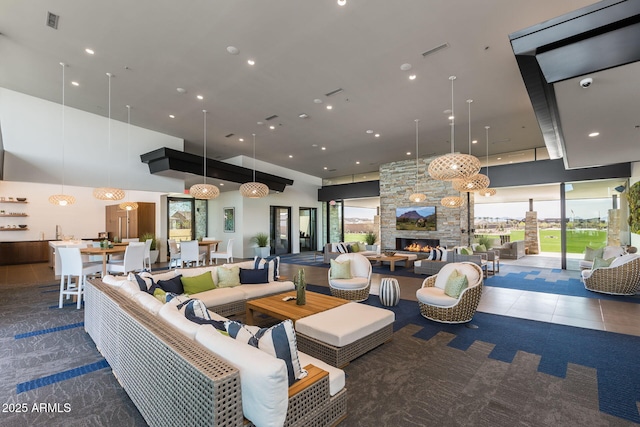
<point>83,219</point>
<point>33,142</point>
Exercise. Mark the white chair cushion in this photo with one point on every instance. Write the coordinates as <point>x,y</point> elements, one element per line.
<point>263,378</point>
<point>336,376</point>
<point>584,264</point>
<point>353,283</point>
<point>345,324</point>
<point>472,274</point>
<point>612,251</point>
<point>219,296</point>
<point>623,259</point>
<point>435,296</point>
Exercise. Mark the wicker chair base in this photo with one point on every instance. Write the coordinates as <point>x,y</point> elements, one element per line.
<point>341,356</point>
<point>462,312</point>
<point>357,295</point>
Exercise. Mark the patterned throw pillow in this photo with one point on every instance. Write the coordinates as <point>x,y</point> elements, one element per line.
<point>599,262</point>
<point>228,277</point>
<point>342,248</point>
<point>273,264</point>
<point>435,254</point>
<point>456,283</point>
<point>196,311</point>
<point>340,270</point>
<point>278,341</point>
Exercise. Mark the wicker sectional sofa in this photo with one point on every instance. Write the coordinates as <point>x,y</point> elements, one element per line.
<point>160,357</point>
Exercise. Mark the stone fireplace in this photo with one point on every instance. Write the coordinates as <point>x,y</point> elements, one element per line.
<point>415,244</point>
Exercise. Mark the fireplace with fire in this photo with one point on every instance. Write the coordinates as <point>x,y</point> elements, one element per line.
<point>416,245</point>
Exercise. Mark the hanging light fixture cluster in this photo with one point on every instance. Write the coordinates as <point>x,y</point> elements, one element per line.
<point>62,199</point>
<point>109,193</point>
<point>487,192</point>
<point>417,197</point>
<point>128,205</point>
<point>253,189</point>
<point>204,190</point>
<point>478,181</point>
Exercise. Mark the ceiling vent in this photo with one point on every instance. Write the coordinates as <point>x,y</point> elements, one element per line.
<point>271,117</point>
<point>230,135</point>
<point>52,20</point>
<point>435,49</point>
<point>333,92</point>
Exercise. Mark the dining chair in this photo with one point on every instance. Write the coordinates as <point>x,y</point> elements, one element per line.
<point>211,239</point>
<point>190,253</point>
<point>133,239</point>
<point>147,254</point>
<point>174,253</point>
<point>72,266</point>
<point>228,254</point>
<point>133,259</point>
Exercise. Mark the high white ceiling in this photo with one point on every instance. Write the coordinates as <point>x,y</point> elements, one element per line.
<point>302,51</point>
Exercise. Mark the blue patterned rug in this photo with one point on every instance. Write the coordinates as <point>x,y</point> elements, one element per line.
<point>614,356</point>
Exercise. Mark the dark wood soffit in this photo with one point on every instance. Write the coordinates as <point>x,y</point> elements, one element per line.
<point>166,159</point>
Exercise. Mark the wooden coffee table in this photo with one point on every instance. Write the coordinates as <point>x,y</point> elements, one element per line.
<point>391,260</point>
<point>275,307</point>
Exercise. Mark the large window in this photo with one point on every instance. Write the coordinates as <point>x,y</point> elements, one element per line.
<point>187,218</point>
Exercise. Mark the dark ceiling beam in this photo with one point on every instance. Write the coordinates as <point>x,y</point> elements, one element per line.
<point>166,160</point>
<point>595,38</point>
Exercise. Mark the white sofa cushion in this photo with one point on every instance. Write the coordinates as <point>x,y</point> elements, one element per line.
<point>623,259</point>
<point>172,316</point>
<point>345,324</point>
<point>336,375</point>
<point>148,302</point>
<point>219,296</point>
<point>445,272</point>
<point>262,289</point>
<point>263,378</point>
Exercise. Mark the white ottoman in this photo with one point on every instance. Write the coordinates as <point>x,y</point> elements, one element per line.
<point>341,334</point>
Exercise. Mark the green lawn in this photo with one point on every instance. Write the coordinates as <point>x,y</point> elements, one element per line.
<point>576,240</point>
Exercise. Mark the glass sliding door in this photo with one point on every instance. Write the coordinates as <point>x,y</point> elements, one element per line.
<point>308,226</point>
<point>280,220</point>
<point>181,219</point>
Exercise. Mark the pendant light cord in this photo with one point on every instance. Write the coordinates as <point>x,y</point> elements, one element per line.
<point>109,134</point>
<point>469,101</point>
<point>417,174</point>
<point>453,117</point>
<point>204,172</point>
<point>129,149</point>
<point>254,157</point>
<point>63,124</point>
<point>487,134</point>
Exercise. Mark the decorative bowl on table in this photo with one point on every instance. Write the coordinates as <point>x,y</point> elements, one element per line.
<point>389,253</point>
<point>21,199</point>
<point>22,225</point>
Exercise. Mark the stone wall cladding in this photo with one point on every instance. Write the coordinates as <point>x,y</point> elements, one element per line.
<point>397,183</point>
<point>531,233</point>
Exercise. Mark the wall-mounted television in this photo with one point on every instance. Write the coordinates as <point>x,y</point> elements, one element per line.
<point>420,218</point>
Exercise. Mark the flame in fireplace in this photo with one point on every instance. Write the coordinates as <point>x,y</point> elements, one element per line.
<point>415,247</point>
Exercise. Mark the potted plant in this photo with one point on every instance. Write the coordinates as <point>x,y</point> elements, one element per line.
<point>154,250</point>
<point>262,240</point>
<point>370,239</point>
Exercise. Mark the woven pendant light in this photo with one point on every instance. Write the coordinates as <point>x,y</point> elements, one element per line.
<point>417,197</point>
<point>452,201</point>
<point>454,165</point>
<point>204,191</point>
<point>62,199</point>
<point>487,192</point>
<point>129,205</point>
<point>253,189</point>
<point>109,193</point>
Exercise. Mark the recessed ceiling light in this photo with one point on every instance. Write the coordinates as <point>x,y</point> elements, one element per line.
<point>329,107</point>
<point>408,153</point>
<point>221,184</point>
<point>451,117</point>
<point>303,116</point>
<point>499,158</point>
<point>594,134</point>
<point>272,127</point>
<point>317,101</point>
<point>290,156</point>
<point>251,62</point>
<point>241,139</point>
<point>325,168</point>
<point>324,148</point>
<point>75,83</point>
<point>369,131</point>
<point>357,163</point>
<point>475,141</point>
<point>181,90</point>
<point>89,51</point>
<point>260,123</point>
<point>342,2</point>
<point>233,50</point>
<point>172,116</point>
<point>405,67</point>
<point>412,77</point>
<point>377,135</point>
<point>200,97</point>
<point>314,145</point>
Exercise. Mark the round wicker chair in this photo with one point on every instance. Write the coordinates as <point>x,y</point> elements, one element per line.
<point>437,306</point>
<point>357,287</point>
<point>622,277</point>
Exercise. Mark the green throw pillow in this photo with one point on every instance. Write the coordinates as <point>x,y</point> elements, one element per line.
<point>466,251</point>
<point>160,295</point>
<point>481,248</point>
<point>340,270</point>
<point>456,283</point>
<point>591,254</point>
<point>599,262</point>
<point>195,284</point>
<point>228,277</point>
<point>355,247</point>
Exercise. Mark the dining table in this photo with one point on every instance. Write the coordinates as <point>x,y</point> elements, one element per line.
<point>105,252</point>
<point>212,245</point>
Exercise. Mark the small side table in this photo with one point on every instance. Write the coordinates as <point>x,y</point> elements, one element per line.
<point>389,292</point>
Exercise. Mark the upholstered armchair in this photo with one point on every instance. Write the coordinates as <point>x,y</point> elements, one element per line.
<point>352,283</point>
<point>622,277</point>
<point>436,305</point>
<point>512,250</point>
